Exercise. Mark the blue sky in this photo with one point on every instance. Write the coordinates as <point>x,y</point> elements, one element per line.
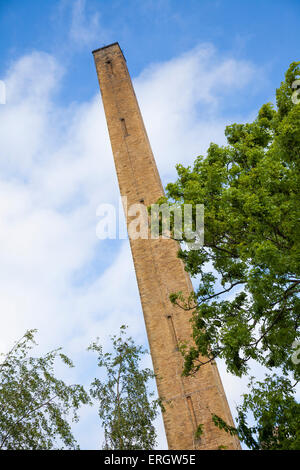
<point>150,31</point>
<point>196,65</point>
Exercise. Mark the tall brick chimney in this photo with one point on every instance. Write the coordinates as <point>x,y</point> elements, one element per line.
<point>189,401</point>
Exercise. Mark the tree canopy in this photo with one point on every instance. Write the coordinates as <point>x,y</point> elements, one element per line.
<point>246,306</point>
<point>36,407</point>
<point>126,409</point>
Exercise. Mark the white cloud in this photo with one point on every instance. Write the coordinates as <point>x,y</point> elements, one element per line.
<point>181,101</point>
<point>24,118</point>
<point>85,28</point>
<point>56,167</point>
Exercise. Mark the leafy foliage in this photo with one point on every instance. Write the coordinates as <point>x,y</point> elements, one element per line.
<point>34,404</point>
<point>220,423</point>
<point>247,304</point>
<point>124,407</point>
<point>250,190</point>
<point>199,431</point>
<point>276,413</point>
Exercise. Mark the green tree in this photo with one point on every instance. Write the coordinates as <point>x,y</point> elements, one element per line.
<point>247,304</point>
<point>34,404</point>
<point>125,410</point>
<point>273,408</point>
<point>276,413</point>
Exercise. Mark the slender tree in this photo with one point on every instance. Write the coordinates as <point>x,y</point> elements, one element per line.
<point>35,406</point>
<point>125,406</point>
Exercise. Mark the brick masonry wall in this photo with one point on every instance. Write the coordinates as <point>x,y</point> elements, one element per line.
<point>189,401</point>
